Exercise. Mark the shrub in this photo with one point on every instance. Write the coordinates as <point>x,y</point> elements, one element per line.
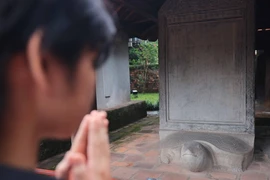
<point>152,106</point>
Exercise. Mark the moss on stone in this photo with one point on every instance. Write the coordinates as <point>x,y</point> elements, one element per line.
<point>115,136</point>
<point>122,116</point>
<point>50,148</point>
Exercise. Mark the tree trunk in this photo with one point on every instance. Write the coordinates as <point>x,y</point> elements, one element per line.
<point>145,74</point>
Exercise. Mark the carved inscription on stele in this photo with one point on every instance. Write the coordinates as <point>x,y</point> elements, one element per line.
<point>191,6</point>
<point>205,16</point>
<point>206,69</point>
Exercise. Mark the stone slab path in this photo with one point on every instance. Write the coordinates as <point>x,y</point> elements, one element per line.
<point>135,156</point>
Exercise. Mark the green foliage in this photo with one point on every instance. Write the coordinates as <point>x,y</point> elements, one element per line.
<point>134,56</point>
<point>152,107</point>
<point>151,99</point>
<point>145,53</point>
<point>148,97</point>
<point>141,67</point>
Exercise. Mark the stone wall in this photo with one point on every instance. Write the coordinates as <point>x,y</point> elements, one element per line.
<point>137,78</point>
<point>126,114</point>
<point>50,148</point>
<point>113,82</point>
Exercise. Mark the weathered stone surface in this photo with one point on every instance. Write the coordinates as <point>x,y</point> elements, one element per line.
<point>125,114</point>
<point>205,66</point>
<point>112,79</point>
<point>195,157</point>
<point>207,150</point>
<point>207,82</point>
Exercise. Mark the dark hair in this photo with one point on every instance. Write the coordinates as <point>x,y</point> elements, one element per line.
<point>68,27</point>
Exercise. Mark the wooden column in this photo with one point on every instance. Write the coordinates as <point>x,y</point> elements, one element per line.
<point>267,81</point>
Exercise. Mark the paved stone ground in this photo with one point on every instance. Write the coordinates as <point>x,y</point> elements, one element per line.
<point>136,157</point>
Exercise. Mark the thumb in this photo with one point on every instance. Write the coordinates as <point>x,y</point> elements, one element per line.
<point>64,167</point>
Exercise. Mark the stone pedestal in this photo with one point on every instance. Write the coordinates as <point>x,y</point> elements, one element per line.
<point>207,83</point>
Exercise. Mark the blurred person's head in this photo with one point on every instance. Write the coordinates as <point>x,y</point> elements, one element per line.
<point>49,51</point>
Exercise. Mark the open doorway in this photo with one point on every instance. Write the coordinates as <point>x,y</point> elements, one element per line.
<point>144,73</point>
<point>262,76</point>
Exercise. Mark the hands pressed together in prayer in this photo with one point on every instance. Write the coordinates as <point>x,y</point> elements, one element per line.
<point>89,157</point>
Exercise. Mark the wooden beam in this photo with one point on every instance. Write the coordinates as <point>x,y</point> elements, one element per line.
<point>140,21</point>
<point>149,30</point>
<point>130,13</point>
<point>136,9</point>
<point>131,30</point>
<point>119,8</point>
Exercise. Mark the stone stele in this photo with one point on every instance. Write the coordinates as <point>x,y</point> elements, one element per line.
<point>207,83</point>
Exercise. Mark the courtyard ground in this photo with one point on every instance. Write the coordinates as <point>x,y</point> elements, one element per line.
<point>135,156</point>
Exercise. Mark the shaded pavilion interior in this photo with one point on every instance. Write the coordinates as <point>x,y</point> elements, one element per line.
<point>139,18</point>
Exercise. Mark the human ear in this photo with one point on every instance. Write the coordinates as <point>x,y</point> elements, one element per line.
<point>35,61</point>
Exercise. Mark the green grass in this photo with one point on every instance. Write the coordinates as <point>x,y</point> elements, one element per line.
<point>152,98</point>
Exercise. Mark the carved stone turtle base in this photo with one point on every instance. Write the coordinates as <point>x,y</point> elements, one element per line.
<point>199,152</point>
